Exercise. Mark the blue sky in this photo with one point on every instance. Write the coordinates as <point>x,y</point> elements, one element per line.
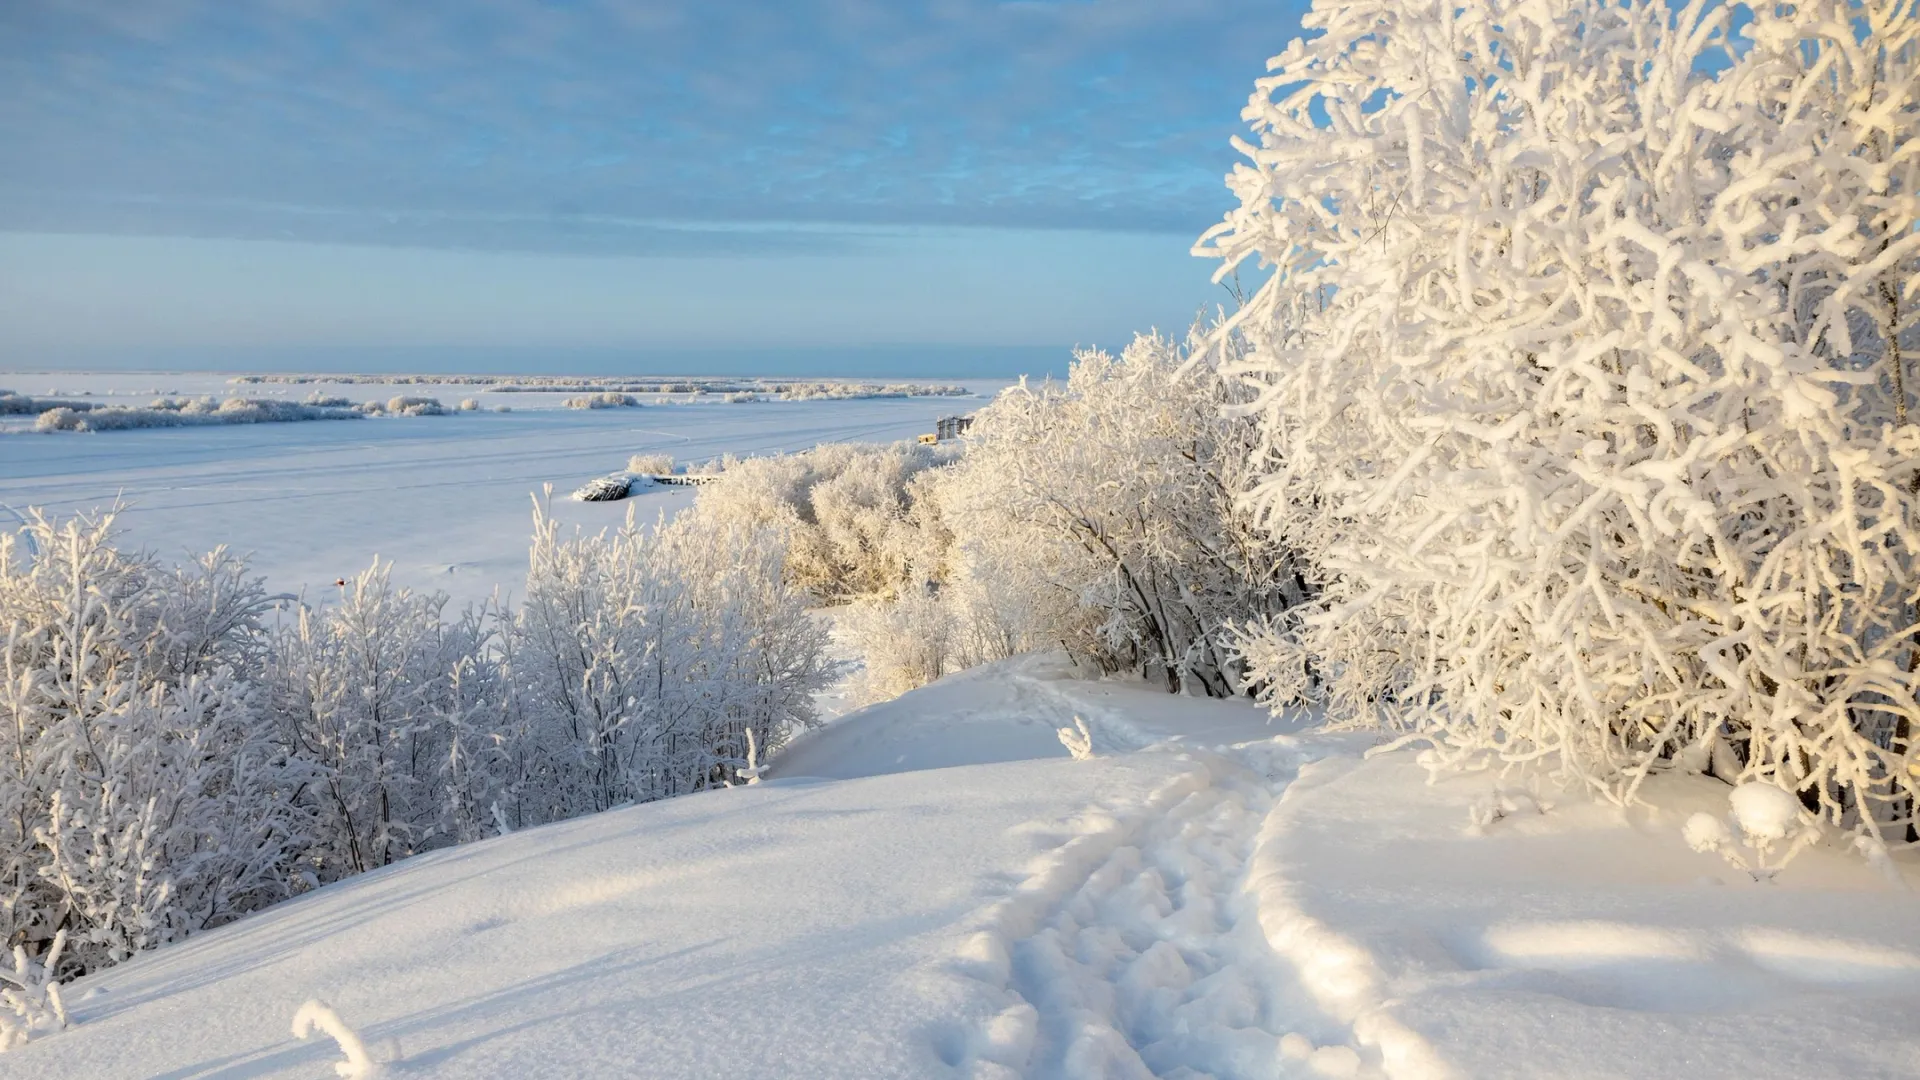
<point>688,184</point>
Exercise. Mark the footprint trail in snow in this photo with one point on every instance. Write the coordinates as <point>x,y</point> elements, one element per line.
<point>1152,963</point>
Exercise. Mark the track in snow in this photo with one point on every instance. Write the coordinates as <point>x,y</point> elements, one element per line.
<point>1153,963</point>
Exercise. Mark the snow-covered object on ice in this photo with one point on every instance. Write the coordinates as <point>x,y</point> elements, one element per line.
<point>605,488</point>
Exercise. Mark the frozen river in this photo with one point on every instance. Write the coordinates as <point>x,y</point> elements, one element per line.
<point>446,499</point>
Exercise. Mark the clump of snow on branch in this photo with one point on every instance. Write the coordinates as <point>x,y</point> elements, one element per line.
<point>30,1003</point>
<point>1078,739</point>
<point>1772,827</point>
<point>317,1017</point>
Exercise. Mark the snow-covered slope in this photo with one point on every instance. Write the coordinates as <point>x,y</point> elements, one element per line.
<point>1209,895</point>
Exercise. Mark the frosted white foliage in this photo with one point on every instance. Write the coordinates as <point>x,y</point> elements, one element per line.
<point>843,511</point>
<point>170,761</point>
<point>317,1017</point>
<point>30,1001</point>
<point>641,658</point>
<point>1766,812</point>
<point>383,705</point>
<point>142,795</point>
<point>1102,514</point>
<point>606,399</point>
<point>1582,374</point>
<point>191,412</point>
<point>650,464</point>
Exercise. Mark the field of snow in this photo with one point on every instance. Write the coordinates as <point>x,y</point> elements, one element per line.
<point>445,498</point>
<point>933,887</point>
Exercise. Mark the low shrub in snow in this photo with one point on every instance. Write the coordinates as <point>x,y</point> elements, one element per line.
<point>415,406</point>
<point>1103,514</point>
<point>651,464</point>
<point>12,404</point>
<point>608,399</point>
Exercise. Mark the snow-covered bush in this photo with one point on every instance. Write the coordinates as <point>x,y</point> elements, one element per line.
<point>843,512</point>
<point>1772,824</point>
<point>12,404</point>
<point>143,795</point>
<point>415,406</point>
<point>169,412</point>
<point>1106,508</point>
<point>383,706</point>
<point>1581,372</point>
<point>172,761</point>
<point>607,399</point>
<point>641,656</point>
<point>651,464</point>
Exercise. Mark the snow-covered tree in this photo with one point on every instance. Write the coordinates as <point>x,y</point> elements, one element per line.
<point>1581,369</point>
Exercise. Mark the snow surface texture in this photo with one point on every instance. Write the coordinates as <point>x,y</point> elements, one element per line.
<point>1207,894</point>
<point>1578,941</point>
<point>447,501</point>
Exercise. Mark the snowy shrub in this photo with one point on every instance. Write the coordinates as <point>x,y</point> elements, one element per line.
<point>144,796</point>
<point>380,702</point>
<point>605,400</point>
<point>1580,367</point>
<point>327,401</point>
<point>416,406</point>
<point>169,412</point>
<point>12,404</point>
<point>1773,828</point>
<point>906,643</point>
<point>651,464</point>
<point>469,405</point>
<point>315,1016</point>
<point>843,512</point>
<point>1107,507</point>
<point>1078,739</point>
<point>641,657</point>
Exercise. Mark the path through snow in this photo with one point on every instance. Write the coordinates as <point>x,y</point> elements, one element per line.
<point>1136,950</point>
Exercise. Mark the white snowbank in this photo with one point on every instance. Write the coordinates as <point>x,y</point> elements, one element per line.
<point>1578,942</point>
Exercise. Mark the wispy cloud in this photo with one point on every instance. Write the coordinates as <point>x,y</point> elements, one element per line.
<point>593,127</point>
